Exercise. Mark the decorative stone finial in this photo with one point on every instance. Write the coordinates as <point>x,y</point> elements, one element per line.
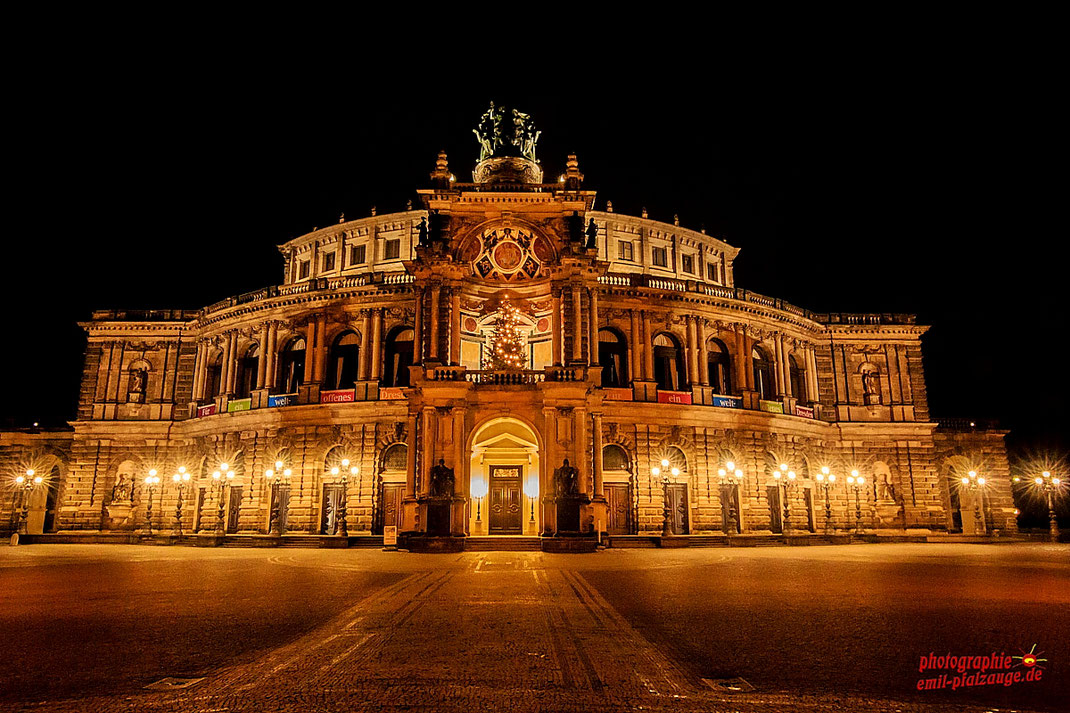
<point>373,210</point>
<point>408,204</point>
<point>645,215</point>
<point>609,206</point>
<point>702,229</point>
<point>441,175</point>
<point>676,219</point>
<point>342,218</point>
<point>573,177</point>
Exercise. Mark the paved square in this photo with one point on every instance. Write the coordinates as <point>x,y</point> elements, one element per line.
<point>87,628</point>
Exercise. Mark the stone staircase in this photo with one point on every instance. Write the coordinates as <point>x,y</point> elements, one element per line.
<point>503,544</point>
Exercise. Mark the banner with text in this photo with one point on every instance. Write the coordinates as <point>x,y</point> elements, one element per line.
<point>205,410</point>
<point>390,393</point>
<point>674,397</point>
<point>728,401</point>
<point>617,394</point>
<point>343,396</point>
<point>239,405</point>
<point>804,411</point>
<point>771,406</point>
<point>282,400</point>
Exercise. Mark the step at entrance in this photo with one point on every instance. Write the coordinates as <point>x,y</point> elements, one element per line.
<point>503,544</point>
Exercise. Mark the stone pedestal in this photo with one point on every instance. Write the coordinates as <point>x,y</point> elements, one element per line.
<point>568,510</point>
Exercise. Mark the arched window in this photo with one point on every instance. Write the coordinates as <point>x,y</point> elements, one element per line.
<point>398,357</point>
<point>668,363</point>
<point>614,458</point>
<point>798,379</point>
<point>213,375</point>
<point>396,457</point>
<point>342,366</point>
<point>292,365</point>
<point>247,368</point>
<point>719,365</point>
<point>676,459</point>
<point>613,358</point>
<point>763,374</point>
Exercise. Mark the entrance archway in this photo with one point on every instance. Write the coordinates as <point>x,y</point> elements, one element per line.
<point>505,479</point>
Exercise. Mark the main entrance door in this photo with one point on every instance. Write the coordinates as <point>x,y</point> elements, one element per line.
<point>505,505</point>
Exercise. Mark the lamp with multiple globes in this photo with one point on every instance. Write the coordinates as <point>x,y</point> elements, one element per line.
<point>277,479</point>
<point>825,478</point>
<point>1050,485</point>
<point>152,480</point>
<point>730,477</point>
<point>974,484</point>
<point>223,479</point>
<point>26,485</point>
<point>181,480</point>
<point>857,482</point>
<point>783,474</point>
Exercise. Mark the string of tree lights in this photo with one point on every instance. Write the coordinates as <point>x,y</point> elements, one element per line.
<point>506,344</point>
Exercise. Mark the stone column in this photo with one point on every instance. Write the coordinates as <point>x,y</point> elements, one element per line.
<point>310,350</point>
<point>580,450</point>
<point>556,327</point>
<point>460,487</point>
<point>811,373</point>
<point>418,328</point>
<point>703,357</point>
<point>271,355</point>
<point>592,350</point>
<point>434,319</point>
<point>320,367</point>
<point>778,367</point>
<point>599,491</point>
<point>455,326</point>
<point>648,349</point>
<point>410,464</point>
<point>261,363</point>
<point>427,447</point>
<point>377,344</point>
<point>232,363</point>
<point>366,346</point>
<point>199,370</point>
<point>689,332</point>
<point>634,352</point>
<point>547,486</point>
<point>577,325</point>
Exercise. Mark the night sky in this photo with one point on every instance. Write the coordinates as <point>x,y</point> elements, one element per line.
<point>902,193</point>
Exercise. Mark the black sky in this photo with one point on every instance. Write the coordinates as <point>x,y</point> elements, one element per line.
<point>886,188</point>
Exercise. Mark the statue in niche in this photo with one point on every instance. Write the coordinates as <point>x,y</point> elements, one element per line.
<point>138,382</point>
<point>442,480</point>
<point>122,492</point>
<point>567,480</point>
<point>423,241</point>
<point>592,235</point>
<point>871,386</point>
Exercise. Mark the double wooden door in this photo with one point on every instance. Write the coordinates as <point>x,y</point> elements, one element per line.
<point>505,500</point>
<point>619,507</point>
<point>678,521</point>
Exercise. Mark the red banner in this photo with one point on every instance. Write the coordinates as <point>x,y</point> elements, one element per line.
<point>673,397</point>
<point>617,394</point>
<point>338,397</point>
<point>390,393</point>
<point>205,410</point>
<point>804,411</point>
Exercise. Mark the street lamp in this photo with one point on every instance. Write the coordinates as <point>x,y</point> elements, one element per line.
<point>151,481</point>
<point>222,478</point>
<point>856,482</point>
<point>730,476</point>
<point>180,479</point>
<point>342,512</point>
<point>531,489</point>
<point>825,479</point>
<point>975,484</point>
<point>26,484</point>
<point>1050,485</point>
<point>479,489</point>
<point>277,517</point>
<point>788,478</point>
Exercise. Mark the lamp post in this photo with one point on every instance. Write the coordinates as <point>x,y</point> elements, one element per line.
<point>26,484</point>
<point>666,511</point>
<point>783,474</point>
<point>180,479</point>
<point>825,479</point>
<point>479,489</point>
<point>975,484</point>
<point>151,481</point>
<point>222,478</point>
<point>1050,485</point>
<point>342,511</point>
<point>856,482</point>
<point>277,516</point>
<point>531,489</point>
<point>730,476</point>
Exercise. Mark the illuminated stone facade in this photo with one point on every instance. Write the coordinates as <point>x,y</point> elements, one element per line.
<point>366,362</point>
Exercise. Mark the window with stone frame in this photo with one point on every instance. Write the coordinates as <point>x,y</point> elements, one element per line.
<point>358,254</point>
<point>392,250</point>
<point>328,262</point>
<point>625,250</point>
<point>659,256</point>
<point>303,269</point>
<point>687,264</point>
<point>713,272</point>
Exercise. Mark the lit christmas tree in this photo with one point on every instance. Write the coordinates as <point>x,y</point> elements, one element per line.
<point>506,345</point>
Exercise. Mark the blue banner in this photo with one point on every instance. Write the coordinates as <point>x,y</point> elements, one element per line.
<point>282,400</point>
<point>728,401</point>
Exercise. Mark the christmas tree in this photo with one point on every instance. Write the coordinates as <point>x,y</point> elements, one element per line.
<point>506,345</point>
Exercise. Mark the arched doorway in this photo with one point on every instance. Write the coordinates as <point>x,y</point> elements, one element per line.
<point>505,480</point>
<point>668,363</point>
<point>763,374</point>
<point>393,465</point>
<point>613,358</point>
<point>398,357</point>
<point>292,366</point>
<point>344,361</point>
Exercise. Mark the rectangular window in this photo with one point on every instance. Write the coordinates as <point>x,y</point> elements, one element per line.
<point>357,255</point>
<point>711,272</point>
<point>392,250</point>
<point>688,263</point>
<point>659,256</point>
<point>328,262</point>
<point>625,250</point>
<point>302,269</point>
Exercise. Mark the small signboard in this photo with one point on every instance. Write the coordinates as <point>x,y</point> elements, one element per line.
<point>282,400</point>
<point>390,535</point>
<point>617,394</point>
<point>727,401</point>
<point>673,397</point>
<point>390,393</point>
<point>804,411</point>
<point>239,405</point>
<point>771,406</point>
<point>342,396</point>
<point>203,411</point>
